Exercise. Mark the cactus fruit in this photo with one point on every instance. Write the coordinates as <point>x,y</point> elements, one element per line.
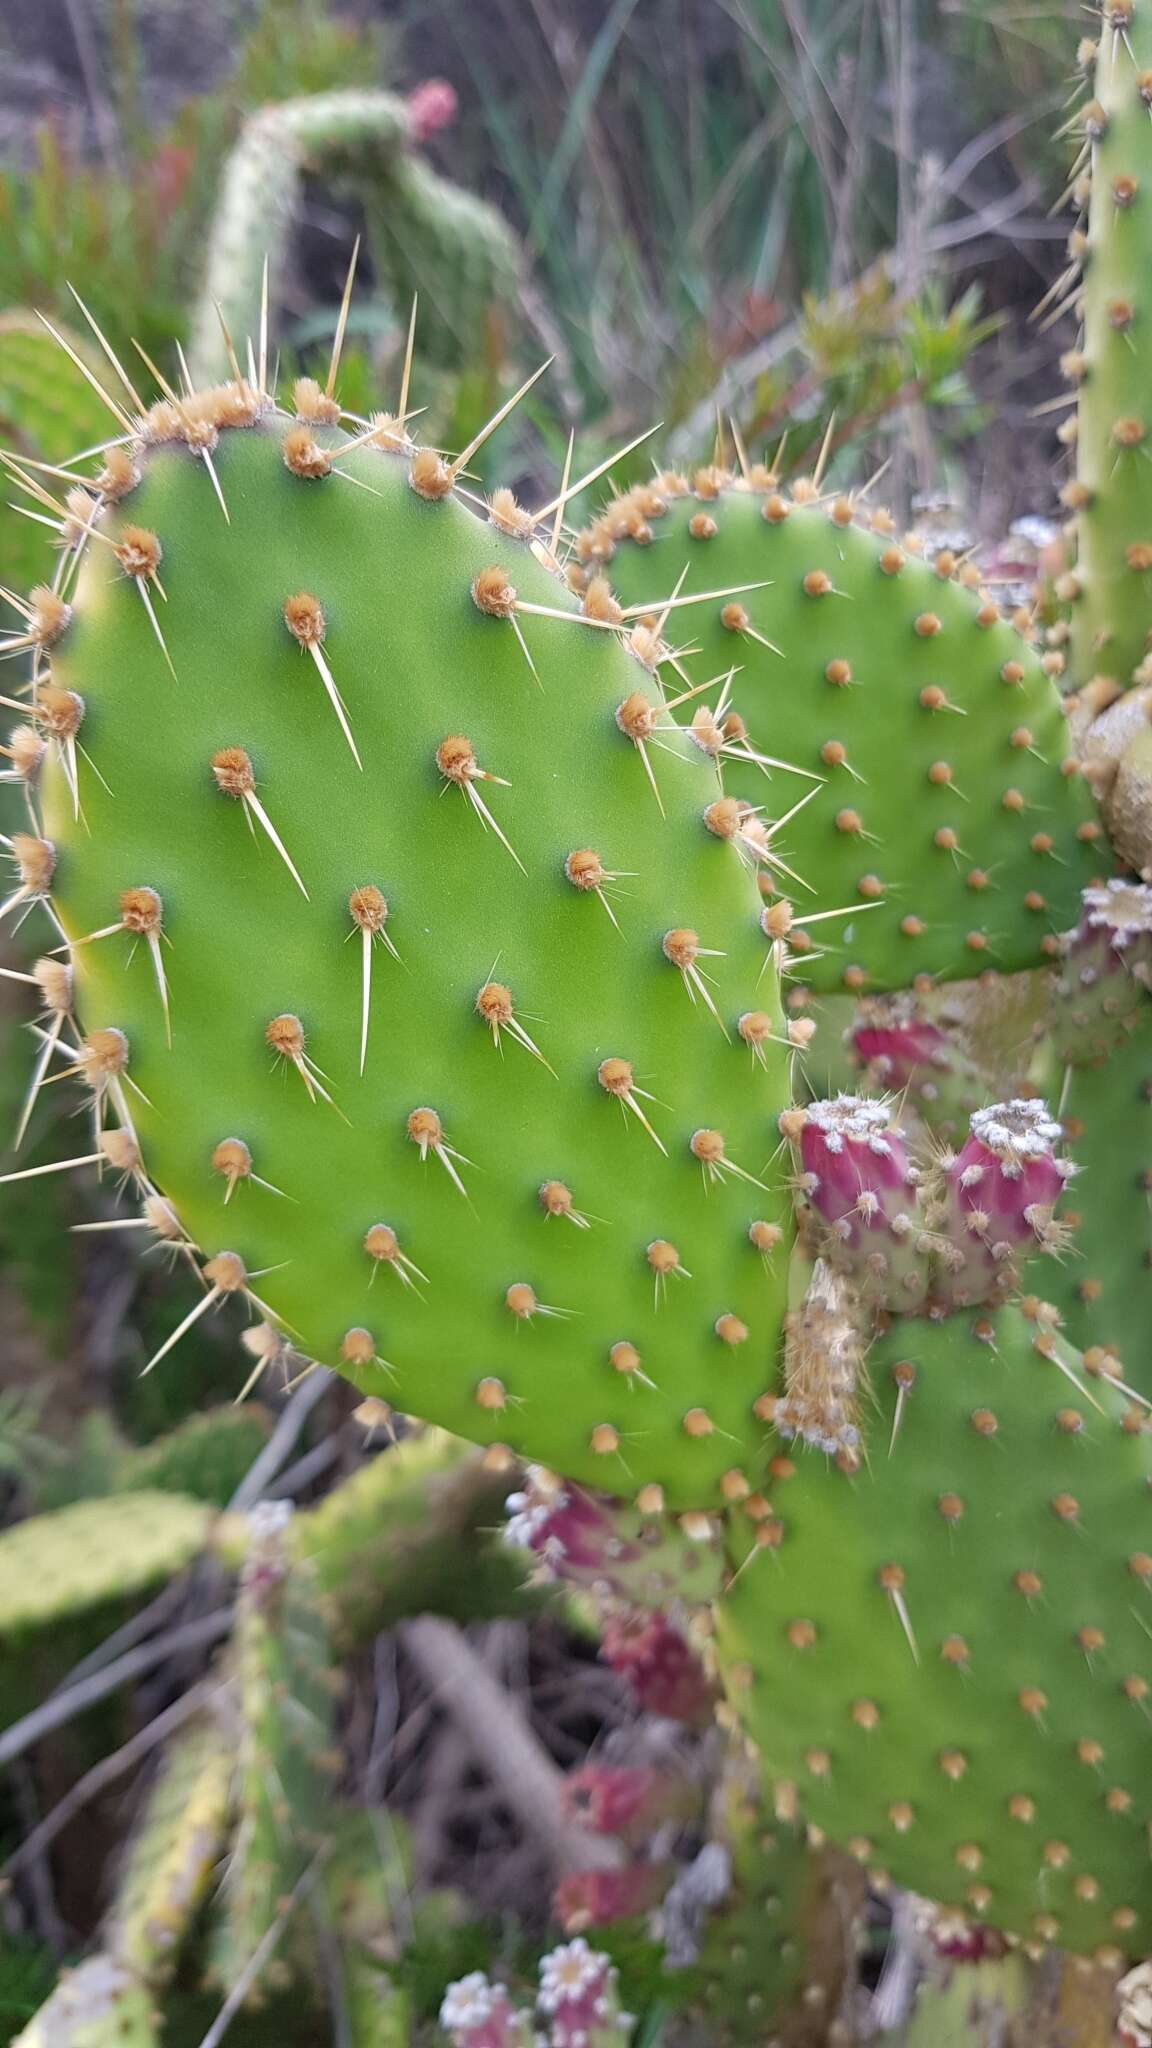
<point>63,1564</point>
<point>284,1677</point>
<point>625,1556</point>
<point>173,1852</point>
<point>950,830</point>
<point>493,1174</point>
<point>660,1668</point>
<point>907,1241</point>
<point>422,230</point>
<point>99,2004</point>
<point>945,1658</point>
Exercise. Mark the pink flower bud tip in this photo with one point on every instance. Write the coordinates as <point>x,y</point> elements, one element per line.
<point>431,106</point>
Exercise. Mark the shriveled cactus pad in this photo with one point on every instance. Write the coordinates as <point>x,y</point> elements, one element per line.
<point>947,1659</point>
<point>457,1089</point>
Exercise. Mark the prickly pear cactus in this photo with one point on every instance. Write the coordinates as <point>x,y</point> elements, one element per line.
<point>52,1566</point>
<point>424,233</point>
<point>1102,1057</point>
<point>173,1852</point>
<point>1111,587</point>
<point>945,1659</point>
<point>99,2004</point>
<point>949,830</point>
<point>205,1456</point>
<point>416,950</point>
<point>285,1698</point>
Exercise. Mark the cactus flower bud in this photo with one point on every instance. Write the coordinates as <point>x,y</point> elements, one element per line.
<point>431,106</point>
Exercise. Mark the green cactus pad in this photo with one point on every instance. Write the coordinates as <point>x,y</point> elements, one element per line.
<point>173,1851</point>
<point>205,1457</point>
<point>1103,1286</point>
<point>284,1761</point>
<point>99,2004</point>
<point>1112,496</point>
<point>527,1304</point>
<point>946,813</point>
<point>948,1658</point>
<point>53,1566</point>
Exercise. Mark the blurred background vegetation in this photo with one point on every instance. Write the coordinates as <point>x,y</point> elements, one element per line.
<point>724,216</point>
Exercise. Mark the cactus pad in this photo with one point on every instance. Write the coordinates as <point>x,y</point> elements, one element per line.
<point>946,1658</point>
<point>52,1566</point>
<point>526,1190</point>
<point>948,814</point>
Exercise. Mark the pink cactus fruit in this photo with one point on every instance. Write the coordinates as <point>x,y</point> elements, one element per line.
<point>628,1800</point>
<point>578,1998</point>
<point>475,2013</point>
<point>631,1554</point>
<point>898,1047</point>
<point>594,1898</point>
<point>993,1207</point>
<point>659,1667</point>
<point>1106,972</point>
<point>431,106</point>
<point>861,1192</point>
